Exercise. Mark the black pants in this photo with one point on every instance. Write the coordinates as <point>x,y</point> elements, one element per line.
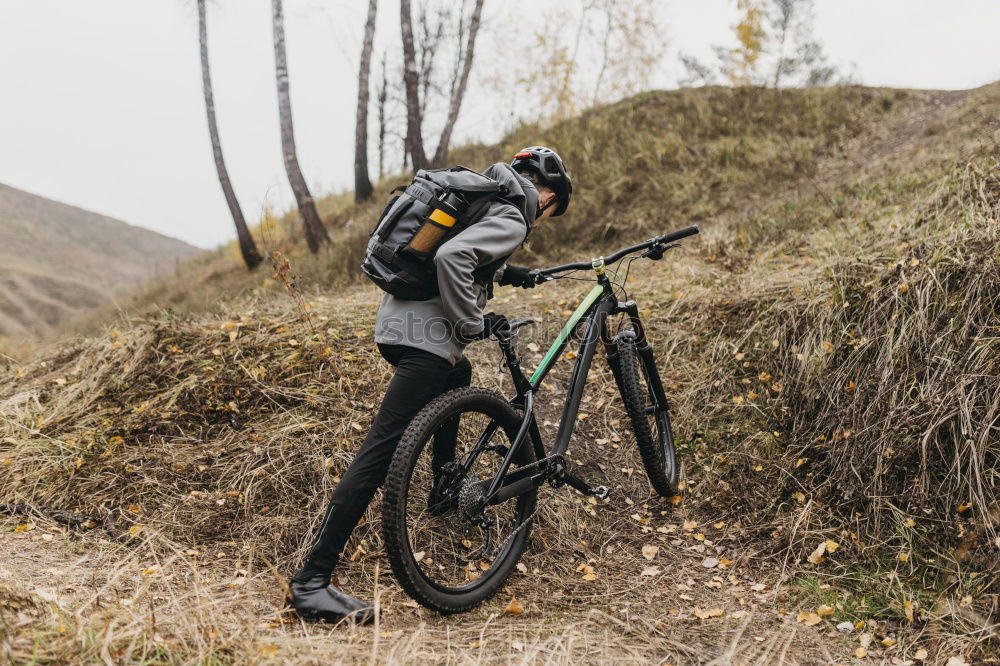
<point>419,378</point>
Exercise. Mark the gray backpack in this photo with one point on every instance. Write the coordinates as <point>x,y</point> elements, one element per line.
<point>438,204</point>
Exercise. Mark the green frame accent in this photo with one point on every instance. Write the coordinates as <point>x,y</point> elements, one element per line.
<point>585,305</point>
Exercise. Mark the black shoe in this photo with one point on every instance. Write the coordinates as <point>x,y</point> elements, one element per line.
<point>317,600</point>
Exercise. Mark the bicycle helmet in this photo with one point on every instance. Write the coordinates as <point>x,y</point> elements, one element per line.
<point>550,169</point>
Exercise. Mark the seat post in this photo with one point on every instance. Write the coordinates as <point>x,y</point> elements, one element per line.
<point>513,363</point>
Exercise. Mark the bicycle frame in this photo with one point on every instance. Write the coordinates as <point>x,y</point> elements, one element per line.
<point>592,313</point>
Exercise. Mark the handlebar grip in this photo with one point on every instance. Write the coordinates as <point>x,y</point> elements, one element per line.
<point>678,235</point>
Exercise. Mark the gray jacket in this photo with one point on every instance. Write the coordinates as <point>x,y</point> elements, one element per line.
<point>444,324</point>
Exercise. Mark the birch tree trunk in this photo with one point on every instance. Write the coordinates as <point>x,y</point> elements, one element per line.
<point>248,248</point>
<point>362,184</point>
<point>458,92</point>
<point>314,231</point>
<point>411,82</point>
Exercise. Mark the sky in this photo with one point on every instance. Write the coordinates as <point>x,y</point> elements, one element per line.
<point>101,103</point>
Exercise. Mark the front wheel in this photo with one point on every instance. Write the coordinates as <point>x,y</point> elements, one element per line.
<point>639,382</point>
<point>447,550</point>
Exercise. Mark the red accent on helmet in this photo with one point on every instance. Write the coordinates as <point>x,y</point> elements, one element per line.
<point>524,154</point>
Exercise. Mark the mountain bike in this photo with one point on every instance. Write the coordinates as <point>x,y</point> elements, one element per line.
<point>461,491</point>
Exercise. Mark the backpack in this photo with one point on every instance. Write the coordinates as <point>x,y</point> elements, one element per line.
<point>418,218</point>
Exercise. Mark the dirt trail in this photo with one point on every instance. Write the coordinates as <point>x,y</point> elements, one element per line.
<point>54,584</point>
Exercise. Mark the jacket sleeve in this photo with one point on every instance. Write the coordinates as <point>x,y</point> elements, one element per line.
<point>495,236</point>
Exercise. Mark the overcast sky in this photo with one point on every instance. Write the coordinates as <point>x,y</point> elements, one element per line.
<point>101,103</point>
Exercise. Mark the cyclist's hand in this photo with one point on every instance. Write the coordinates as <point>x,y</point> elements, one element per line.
<point>492,323</point>
<point>517,276</point>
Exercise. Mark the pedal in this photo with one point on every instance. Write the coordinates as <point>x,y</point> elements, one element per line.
<point>600,492</point>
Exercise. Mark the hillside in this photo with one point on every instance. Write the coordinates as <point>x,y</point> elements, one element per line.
<point>58,261</point>
<point>828,344</point>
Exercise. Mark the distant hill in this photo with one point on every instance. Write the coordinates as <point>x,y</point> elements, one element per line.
<point>58,260</point>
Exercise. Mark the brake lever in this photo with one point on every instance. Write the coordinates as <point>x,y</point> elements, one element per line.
<point>537,277</point>
<point>655,252</point>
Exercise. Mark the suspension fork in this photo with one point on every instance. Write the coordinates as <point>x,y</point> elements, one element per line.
<point>643,347</point>
<point>632,310</point>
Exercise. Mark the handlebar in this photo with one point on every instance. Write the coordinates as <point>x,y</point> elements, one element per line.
<point>666,239</point>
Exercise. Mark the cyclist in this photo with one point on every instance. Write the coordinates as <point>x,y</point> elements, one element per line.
<point>424,341</point>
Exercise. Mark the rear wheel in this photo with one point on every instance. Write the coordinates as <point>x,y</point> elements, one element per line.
<point>649,417</point>
<point>448,551</point>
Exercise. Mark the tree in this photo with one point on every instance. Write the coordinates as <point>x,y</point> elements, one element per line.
<point>458,90</point>
<point>251,257</point>
<point>314,231</point>
<point>581,53</point>
<point>797,53</point>
<point>418,75</point>
<point>786,45</point>
<point>630,44</point>
<point>382,103</point>
<point>740,64</point>
<point>362,184</point>
<point>411,83</point>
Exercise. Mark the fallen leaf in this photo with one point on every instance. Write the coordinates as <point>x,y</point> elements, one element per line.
<point>920,654</point>
<point>649,551</point>
<point>689,525</point>
<point>816,556</point>
<point>861,653</point>
<point>705,614</point>
<point>758,587</point>
<point>419,555</point>
<point>908,610</point>
<point>809,619</point>
<point>824,610</point>
<point>135,529</point>
<point>514,608</point>
<point>650,571</point>
<point>956,661</point>
<point>710,562</point>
